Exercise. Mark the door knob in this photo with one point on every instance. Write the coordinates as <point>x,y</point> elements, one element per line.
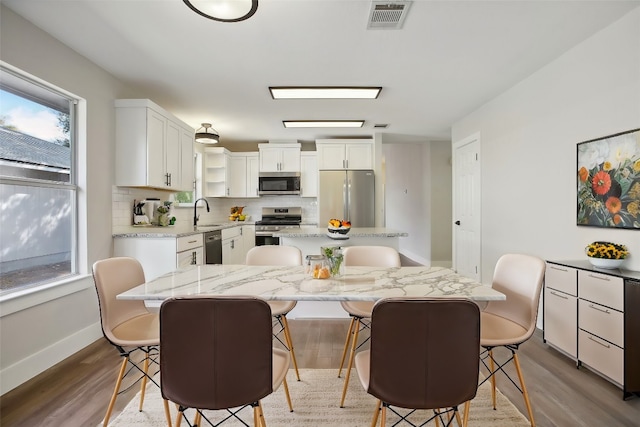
<point>457,222</point>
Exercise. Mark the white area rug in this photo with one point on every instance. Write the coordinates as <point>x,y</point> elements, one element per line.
<point>316,400</point>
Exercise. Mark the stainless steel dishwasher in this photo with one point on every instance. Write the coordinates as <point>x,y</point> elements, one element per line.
<point>213,247</point>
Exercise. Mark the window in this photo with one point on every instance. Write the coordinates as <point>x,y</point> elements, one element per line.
<point>38,193</point>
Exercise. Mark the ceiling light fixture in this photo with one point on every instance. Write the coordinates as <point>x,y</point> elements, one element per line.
<point>224,10</point>
<point>323,123</point>
<point>324,92</point>
<point>207,135</point>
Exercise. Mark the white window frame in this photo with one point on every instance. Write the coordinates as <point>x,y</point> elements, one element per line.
<point>33,294</point>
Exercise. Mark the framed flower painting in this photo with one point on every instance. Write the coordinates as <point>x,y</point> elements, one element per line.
<point>609,181</point>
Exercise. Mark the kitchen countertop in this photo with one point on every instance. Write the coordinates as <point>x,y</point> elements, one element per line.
<point>355,232</point>
<point>173,231</point>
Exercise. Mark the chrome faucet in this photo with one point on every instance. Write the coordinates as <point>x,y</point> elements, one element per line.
<point>196,217</point>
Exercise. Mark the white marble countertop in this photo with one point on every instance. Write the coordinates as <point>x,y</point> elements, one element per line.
<point>172,231</point>
<point>292,283</point>
<point>354,232</point>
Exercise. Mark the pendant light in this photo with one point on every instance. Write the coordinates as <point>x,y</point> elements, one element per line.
<point>224,10</point>
<point>207,135</point>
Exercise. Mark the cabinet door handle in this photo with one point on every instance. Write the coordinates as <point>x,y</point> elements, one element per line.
<point>605,311</point>
<point>193,258</point>
<point>558,295</point>
<point>598,342</point>
<point>233,244</point>
<point>606,279</point>
<point>558,268</point>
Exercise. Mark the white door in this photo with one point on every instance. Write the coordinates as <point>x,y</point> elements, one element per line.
<point>466,207</point>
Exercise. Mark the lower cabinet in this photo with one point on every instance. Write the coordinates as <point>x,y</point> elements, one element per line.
<point>236,242</point>
<point>587,315</point>
<point>162,254</point>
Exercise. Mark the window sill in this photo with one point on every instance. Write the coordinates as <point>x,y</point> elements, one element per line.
<point>27,298</point>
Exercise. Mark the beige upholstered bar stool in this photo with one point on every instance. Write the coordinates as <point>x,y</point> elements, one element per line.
<point>360,311</point>
<point>511,322</point>
<point>233,365</point>
<point>422,366</point>
<point>279,255</point>
<point>128,325</point>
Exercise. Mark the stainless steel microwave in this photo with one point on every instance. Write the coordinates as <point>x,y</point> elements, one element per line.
<point>278,183</point>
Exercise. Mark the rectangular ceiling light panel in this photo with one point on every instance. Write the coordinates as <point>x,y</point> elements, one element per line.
<point>323,123</point>
<point>324,92</point>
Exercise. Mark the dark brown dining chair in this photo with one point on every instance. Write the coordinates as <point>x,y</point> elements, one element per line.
<point>279,255</point>
<point>127,325</point>
<point>511,322</point>
<point>432,364</point>
<point>360,311</point>
<point>217,354</point>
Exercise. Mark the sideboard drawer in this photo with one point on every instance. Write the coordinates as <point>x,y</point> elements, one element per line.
<point>602,289</point>
<point>601,321</point>
<point>561,278</point>
<point>601,356</point>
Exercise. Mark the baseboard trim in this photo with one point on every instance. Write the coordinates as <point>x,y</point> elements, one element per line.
<point>29,367</point>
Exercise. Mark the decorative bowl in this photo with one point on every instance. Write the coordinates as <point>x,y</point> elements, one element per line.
<point>605,262</point>
<point>339,230</point>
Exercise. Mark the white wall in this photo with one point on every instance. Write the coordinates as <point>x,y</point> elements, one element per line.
<point>40,329</point>
<point>418,198</point>
<point>529,136</point>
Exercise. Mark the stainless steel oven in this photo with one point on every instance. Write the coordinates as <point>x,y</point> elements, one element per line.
<point>276,219</point>
<point>278,183</point>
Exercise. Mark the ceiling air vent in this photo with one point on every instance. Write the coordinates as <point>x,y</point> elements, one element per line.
<point>388,14</point>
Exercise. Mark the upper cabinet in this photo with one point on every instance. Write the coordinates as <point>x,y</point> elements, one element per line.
<point>308,174</point>
<point>242,174</point>
<point>344,153</point>
<point>153,148</point>
<point>279,157</point>
<point>229,174</point>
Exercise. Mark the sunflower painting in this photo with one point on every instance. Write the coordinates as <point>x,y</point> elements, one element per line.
<point>609,181</point>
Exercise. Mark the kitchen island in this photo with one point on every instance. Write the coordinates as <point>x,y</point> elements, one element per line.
<point>310,239</point>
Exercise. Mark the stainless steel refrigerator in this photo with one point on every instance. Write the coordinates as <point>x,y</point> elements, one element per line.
<point>347,195</point>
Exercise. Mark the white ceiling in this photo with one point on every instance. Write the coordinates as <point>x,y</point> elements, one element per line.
<point>449,58</point>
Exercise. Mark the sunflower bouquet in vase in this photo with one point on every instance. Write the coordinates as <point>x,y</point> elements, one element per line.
<point>606,254</point>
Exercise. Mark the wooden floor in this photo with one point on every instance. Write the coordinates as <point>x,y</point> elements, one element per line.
<point>76,391</point>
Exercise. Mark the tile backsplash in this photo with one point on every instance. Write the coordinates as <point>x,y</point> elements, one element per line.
<point>123,198</point>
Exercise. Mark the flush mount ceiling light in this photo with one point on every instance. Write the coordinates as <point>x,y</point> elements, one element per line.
<point>324,92</point>
<point>207,135</point>
<point>224,10</point>
<point>323,123</point>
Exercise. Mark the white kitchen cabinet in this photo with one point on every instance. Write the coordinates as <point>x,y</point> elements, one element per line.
<point>229,174</point>
<point>308,174</point>
<point>153,148</point>
<point>279,157</point>
<point>344,154</point>
<point>162,254</point>
<point>248,233</point>
<point>253,170</point>
<point>561,308</point>
<point>215,179</point>
<point>242,174</point>
<point>232,246</point>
